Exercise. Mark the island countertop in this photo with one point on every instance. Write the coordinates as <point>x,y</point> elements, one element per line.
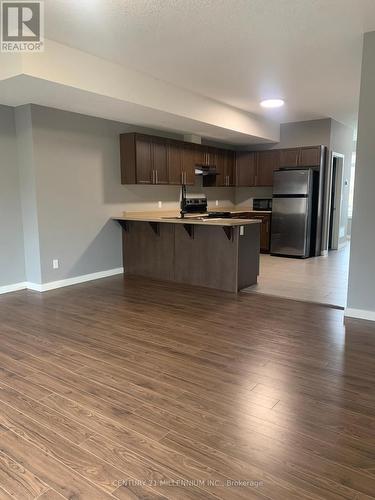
<point>217,253</point>
<point>174,218</point>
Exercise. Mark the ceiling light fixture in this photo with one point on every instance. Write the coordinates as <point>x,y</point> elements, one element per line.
<point>272,103</point>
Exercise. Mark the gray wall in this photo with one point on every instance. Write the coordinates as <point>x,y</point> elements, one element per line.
<point>77,172</point>
<point>12,268</point>
<point>29,202</point>
<point>362,267</point>
<point>305,133</point>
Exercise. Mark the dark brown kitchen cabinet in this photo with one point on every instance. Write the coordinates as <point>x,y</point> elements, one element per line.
<point>175,153</point>
<point>301,157</point>
<point>225,167</point>
<point>200,157</point>
<point>265,232</point>
<point>289,157</point>
<point>147,159</point>
<point>310,157</point>
<point>188,165</point>
<point>143,159</point>
<point>181,163</point>
<point>159,161</point>
<point>267,163</point>
<point>144,171</point>
<point>265,229</point>
<point>231,167</point>
<point>206,155</point>
<point>245,169</point>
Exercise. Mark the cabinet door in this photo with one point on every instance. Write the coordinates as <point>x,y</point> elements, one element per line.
<point>212,156</point>
<point>159,161</point>
<point>245,169</point>
<point>267,163</point>
<point>309,157</point>
<point>144,174</point>
<point>221,168</point>
<point>174,161</point>
<point>188,165</point>
<point>230,167</point>
<point>199,155</point>
<point>265,231</point>
<point>265,234</point>
<point>289,157</point>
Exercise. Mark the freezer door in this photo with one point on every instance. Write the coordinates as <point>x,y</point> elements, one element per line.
<point>291,182</point>
<point>290,227</point>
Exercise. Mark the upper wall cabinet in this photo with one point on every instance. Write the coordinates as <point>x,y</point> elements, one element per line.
<point>225,166</point>
<point>267,163</point>
<point>256,169</point>
<point>175,152</point>
<point>148,159</point>
<point>143,159</point>
<point>310,157</point>
<point>289,157</point>
<point>301,157</point>
<point>180,163</point>
<point>245,168</point>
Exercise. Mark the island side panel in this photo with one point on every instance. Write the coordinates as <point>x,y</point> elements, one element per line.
<point>248,256</point>
<point>146,253</point>
<point>208,258</point>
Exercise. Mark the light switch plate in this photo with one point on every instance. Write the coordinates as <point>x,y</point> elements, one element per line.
<point>242,230</point>
<point>55,263</point>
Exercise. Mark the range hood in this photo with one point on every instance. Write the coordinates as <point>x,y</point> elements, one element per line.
<point>205,170</point>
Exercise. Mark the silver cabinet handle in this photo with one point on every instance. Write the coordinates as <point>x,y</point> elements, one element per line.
<point>156,176</point>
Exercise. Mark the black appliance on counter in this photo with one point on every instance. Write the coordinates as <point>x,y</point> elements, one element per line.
<point>192,204</point>
<point>262,204</point>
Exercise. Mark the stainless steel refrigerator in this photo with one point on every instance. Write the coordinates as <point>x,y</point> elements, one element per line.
<point>293,231</point>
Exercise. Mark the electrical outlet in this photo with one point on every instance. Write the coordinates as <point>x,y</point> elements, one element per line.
<point>242,230</point>
<point>55,263</point>
<point>217,203</point>
<point>160,204</point>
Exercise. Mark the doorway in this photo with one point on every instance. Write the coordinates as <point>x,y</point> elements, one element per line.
<point>335,202</point>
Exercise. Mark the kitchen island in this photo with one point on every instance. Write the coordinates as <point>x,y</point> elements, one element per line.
<point>220,253</point>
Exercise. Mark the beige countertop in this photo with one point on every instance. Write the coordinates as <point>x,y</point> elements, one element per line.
<point>174,218</point>
<point>239,210</point>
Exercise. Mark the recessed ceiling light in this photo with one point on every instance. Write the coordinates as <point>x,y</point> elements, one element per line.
<point>272,103</point>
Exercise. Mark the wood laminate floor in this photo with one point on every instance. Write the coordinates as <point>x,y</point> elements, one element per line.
<point>322,280</point>
<point>130,389</point>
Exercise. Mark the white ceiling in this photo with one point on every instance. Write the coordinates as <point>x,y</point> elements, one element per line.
<point>235,51</point>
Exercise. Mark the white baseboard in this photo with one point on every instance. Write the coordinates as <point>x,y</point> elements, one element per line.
<point>52,285</point>
<point>44,287</point>
<point>359,314</point>
<point>15,287</point>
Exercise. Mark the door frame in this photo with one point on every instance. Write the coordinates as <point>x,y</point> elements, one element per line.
<point>340,160</point>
